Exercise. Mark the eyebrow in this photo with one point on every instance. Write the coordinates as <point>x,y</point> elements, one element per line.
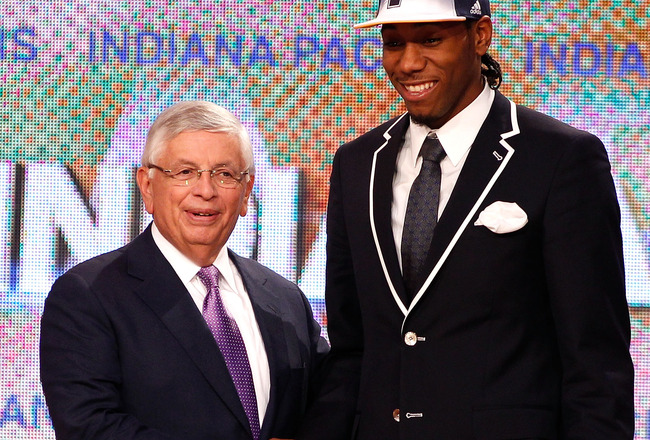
<point>182,163</point>
<point>226,165</point>
<point>188,163</point>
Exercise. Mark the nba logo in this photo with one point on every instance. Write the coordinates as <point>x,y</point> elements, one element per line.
<point>394,3</point>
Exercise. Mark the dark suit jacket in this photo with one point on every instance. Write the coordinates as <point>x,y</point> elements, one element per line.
<point>126,354</point>
<point>517,335</point>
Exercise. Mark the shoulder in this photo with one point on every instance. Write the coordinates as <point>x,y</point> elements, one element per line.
<point>389,126</point>
<point>266,287</point>
<point>249,268</point>
<point>102,266</point>
<point>547,135</point>
<point>541,124</point>
<point>106,270</point>
<point>378,135</point>
<point>84,290</point>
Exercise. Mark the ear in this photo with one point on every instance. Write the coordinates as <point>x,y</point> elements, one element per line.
<point>483,35</point>
<point>247,193</point>
<point>144,183</point>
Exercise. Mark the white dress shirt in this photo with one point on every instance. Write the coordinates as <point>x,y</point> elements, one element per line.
<point>456,137</point>
<point>237,304</point>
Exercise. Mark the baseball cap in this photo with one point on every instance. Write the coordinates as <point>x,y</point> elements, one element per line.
<point>423,11</point>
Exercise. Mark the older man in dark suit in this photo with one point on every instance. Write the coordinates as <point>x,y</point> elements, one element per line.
<point>174,336</point>
<point>475,285</point>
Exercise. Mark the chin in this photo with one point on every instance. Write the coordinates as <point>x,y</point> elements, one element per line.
<point>427,120</point>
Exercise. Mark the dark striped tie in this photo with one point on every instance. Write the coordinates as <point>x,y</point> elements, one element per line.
<point>421,213</point>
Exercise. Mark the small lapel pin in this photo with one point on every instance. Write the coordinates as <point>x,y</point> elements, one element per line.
<point>497,155</point>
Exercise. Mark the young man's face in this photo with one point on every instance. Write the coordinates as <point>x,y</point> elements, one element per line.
<point>436,67</point>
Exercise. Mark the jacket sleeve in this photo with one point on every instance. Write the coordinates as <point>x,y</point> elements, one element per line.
<point>583,261</point>
<point>331,416</point>
<point>80,368</point>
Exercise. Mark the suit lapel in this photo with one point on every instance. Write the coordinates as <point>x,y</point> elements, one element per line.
<point>166,295</point>
<point>271,326</point>
<point>381,191</point>
<point>488,156</point>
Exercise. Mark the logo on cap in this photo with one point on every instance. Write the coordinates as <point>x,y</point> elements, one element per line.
<point>476,9</point>
<point>394,3</point>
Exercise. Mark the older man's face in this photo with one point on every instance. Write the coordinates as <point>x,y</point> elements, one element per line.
<point>196,219</point>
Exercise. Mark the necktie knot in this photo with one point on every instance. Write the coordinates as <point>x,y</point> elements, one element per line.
<point>432,149</point>
<point>209,276</point>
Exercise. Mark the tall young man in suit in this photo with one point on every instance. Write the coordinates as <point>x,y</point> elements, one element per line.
<point>174,336</point>
<point>475,285</point>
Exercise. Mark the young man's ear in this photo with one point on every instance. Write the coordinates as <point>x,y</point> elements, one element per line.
<point>483,35</point>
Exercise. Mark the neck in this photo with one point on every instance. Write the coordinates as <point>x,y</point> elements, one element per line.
<point>203,257</point>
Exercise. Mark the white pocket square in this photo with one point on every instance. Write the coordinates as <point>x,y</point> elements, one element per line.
<point>502,217</point>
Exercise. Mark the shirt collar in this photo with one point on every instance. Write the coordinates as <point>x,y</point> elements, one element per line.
<point>459,133</point>
<point>185,268</point>
<point>226,269</point>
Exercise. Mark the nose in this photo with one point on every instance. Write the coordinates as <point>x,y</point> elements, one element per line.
<point>204,187</point>
<point>412,59</point>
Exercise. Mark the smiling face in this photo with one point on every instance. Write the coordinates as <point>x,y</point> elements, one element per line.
<point>436,67</point>
<point>196,219</point>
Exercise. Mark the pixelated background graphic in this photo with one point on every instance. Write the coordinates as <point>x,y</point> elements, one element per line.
<point>81,81</point>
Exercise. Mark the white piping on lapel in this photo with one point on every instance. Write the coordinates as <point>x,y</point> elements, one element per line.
<point>387,136</point>
<point>454,240</point>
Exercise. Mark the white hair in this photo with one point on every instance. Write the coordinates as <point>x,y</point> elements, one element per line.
<point>188,116</point>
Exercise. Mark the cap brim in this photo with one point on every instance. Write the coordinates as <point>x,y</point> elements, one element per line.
<point>379,21</point>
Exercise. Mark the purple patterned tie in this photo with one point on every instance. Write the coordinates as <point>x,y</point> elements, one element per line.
<point>226,333</point>
<point>421,212</point>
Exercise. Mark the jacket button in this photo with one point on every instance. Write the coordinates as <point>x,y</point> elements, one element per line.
<point>410,339</point>
<point>396,415</point>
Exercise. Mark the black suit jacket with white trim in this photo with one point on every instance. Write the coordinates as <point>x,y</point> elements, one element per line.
<point>517,335</point>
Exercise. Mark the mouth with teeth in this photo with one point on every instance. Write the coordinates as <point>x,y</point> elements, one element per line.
<point>418,87</point>
<point>202,214</point>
